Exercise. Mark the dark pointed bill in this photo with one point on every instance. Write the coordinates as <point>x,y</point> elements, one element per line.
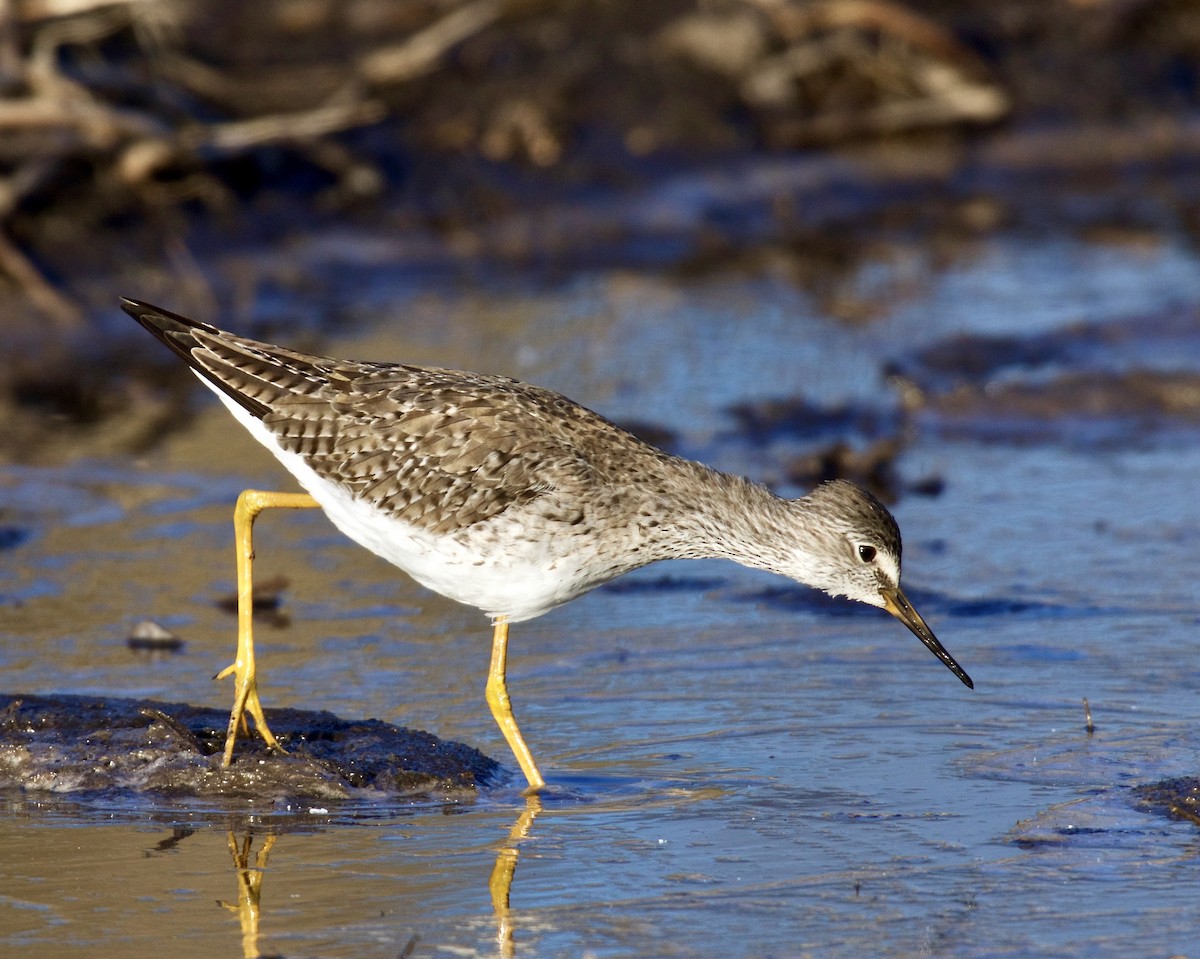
<point>895,603</point>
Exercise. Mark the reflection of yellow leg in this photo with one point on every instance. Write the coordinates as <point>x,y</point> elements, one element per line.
<point>249,889</point>
<point>497,699</point>
<point>245,696</point>
<point>500,883</point>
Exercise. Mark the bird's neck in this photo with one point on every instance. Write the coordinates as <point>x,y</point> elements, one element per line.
<point>737,519</point>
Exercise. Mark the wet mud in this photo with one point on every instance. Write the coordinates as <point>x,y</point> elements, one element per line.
<point>104,747</point>
<point>1177,798</point>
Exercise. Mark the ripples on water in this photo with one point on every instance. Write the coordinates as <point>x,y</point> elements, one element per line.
<point>737,768</point>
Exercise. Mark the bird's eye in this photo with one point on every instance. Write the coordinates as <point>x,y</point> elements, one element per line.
<point>866,553</point>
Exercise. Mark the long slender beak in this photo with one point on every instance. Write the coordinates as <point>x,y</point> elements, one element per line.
<point>895,603</point>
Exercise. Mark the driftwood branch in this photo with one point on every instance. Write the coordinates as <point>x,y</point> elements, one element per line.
<point>152,123</point>
<point>41,293</point>
<point>920,74</point>
<point>421,52</point>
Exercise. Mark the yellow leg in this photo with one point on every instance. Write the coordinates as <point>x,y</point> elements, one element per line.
<point>245,696</point>
<point>501,706</point>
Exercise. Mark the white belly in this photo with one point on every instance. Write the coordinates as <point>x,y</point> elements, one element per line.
<point>517,585</point>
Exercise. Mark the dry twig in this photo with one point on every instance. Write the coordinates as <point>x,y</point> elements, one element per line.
<point>134,135</point>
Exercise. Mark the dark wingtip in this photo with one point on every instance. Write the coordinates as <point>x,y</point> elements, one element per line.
<point>144,313</point>
<point>156,319</point>
<point>170,329</point>
<point>178,333</point>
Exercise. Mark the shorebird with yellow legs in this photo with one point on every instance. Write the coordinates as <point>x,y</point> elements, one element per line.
<point>508,497</point>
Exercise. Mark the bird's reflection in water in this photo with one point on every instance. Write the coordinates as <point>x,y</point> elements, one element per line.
<point>500,883</point>
<point>250,874</point>
<point>249,879</point>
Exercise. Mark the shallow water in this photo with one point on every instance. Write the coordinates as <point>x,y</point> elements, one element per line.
<point>736,765</point>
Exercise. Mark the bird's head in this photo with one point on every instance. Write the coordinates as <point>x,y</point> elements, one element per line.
<point>851,548</point>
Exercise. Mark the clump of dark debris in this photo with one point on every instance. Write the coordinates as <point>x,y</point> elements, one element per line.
<point>103,746</point>
<point>1176,798</point>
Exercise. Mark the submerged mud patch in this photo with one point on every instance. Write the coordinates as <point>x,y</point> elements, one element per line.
<point>805,444</point>
<point>1090,385</point>
<point>1082,410</point>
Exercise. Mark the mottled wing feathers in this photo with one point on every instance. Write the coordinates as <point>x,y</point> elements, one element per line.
<point>431,447</point>
<point>440,449</point>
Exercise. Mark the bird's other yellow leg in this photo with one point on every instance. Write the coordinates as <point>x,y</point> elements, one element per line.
<point>245,697</point>
<point>501,706</point>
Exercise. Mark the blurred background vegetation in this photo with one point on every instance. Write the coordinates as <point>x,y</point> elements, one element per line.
<point>143,143</point>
